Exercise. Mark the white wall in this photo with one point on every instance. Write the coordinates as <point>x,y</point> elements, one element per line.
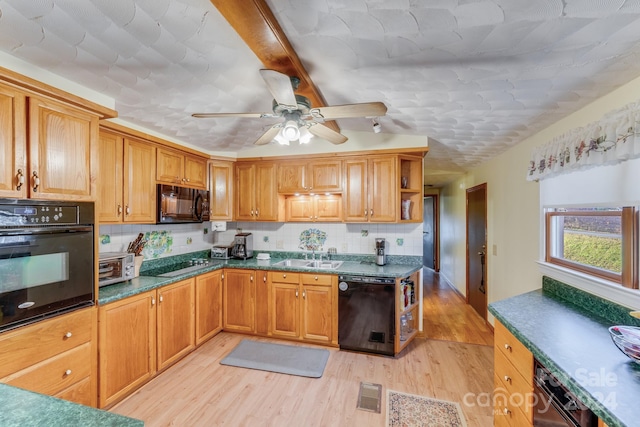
<point>514,206</point>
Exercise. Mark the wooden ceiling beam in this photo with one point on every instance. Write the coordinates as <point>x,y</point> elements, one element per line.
<point>256,24</point>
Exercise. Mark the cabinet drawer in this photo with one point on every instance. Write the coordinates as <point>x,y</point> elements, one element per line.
<point>55,374</point>
<point>34,343</point>
<point>80,392</point>
<point>317,279</point>
<point>511,388</point>
<point>515,352</point>
<point>512,418</point>
<point>284,277</point>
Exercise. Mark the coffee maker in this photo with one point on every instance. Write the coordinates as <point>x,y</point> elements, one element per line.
<point>242,246</point>
<point>382,247</point>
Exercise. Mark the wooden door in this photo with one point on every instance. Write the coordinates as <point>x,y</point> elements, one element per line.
<point>245,191</point>
<point>328,208</point>
<point>63,149</point>
<point>355,191</point>
<point>284,307</point>
<point>317,313</point>
<point>127,343</point>
<point>477,249</point>
<point>429,232</point>
<point>208,305</point>
<point>384,203</point>
<point>169,166</point>
<point>109,204</point>
<point>325,175</point>
<point>292,177</point>
<point>139,187</point>
<point>195,172</point>
<point>176,334</point>
<point>266,190</point>
<point>299,208</point>
<point>221,190</point>
<point>238,308</point>
<point>13,143</point>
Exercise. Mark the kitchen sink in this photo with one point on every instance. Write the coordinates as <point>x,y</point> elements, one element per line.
<point>325,265</point>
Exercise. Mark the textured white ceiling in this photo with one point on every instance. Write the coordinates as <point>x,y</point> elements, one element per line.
<point>476,76</point>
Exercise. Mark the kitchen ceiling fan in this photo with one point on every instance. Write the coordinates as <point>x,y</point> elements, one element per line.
<point>301,119</point>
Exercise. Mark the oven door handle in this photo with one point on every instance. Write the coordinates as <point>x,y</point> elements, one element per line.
<point>47,230</point>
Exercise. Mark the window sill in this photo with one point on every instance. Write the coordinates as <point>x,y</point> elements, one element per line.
<point>594,285</point>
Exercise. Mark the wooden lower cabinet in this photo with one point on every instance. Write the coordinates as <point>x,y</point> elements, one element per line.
<point>208,305</point>
<point>513,380</point>
<point>54,357</point>
<point>239,308</point>
<point>143,334</point>
<point>303,307</point>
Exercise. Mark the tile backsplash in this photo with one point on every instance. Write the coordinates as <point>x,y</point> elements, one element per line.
<point>176,239</point>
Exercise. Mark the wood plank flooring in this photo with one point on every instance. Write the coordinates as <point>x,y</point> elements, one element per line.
<point>198,391</point>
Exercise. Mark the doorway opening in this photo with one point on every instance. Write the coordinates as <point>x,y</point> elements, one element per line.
<point>430,238</point>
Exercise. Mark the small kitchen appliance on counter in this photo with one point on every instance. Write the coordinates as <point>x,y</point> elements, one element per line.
<point>222,251</point>
<point>115,267</point>
<point>382,247</point>
<point>242,246</point>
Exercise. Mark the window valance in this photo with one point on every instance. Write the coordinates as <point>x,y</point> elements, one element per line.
<point>612,139</point>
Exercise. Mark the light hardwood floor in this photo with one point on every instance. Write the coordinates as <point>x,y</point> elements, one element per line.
<point>198,391</point>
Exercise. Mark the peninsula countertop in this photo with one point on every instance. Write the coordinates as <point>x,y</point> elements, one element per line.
<point>567,330</point>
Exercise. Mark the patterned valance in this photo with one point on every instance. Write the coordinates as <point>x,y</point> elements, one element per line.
<point>612,139</point>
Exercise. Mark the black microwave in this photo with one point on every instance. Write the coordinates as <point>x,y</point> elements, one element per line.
<point>182,204</point>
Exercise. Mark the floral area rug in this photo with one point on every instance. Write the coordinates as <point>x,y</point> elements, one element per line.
<point>409,410</point>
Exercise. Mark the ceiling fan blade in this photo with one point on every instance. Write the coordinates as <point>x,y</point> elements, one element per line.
<point>268,136</point>
<point>280,87</point>
<point>324,132</point>
<point>211,115</point>
<point>367,109</point>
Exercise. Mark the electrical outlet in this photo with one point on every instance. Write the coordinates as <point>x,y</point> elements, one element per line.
<point>345,247</point>
<point>279,244</point>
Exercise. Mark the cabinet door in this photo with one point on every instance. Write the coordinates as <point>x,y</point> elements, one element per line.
<point>239,300</point>
<point>109,203</point>
<point>63,148</point>
<point>284,309</point>
<point>325,175</point>
<point>195,172</point>
<point>169,166</point>
<point>355,200</point>
<point>291,177</point>
<point>208,305</point>
<point>266,192</point>
<point>245,192</point>
<point>299,208</point>
<point>384,203</point>
<point>13,143</point>
<point>319,308</point>
<point>221,190</point>
<point>139,181</point>
<point>127,342</point>
<point>176,333</point>
<point>328,208</point>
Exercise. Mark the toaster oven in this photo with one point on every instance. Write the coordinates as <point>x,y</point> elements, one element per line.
<point>115,267</point>
<point>221,252</point>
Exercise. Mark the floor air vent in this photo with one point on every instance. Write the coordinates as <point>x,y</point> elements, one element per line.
<point>376,336</point>
<point>369,397</point>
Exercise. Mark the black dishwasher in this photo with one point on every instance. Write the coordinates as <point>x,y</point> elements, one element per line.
<point>366,314</point>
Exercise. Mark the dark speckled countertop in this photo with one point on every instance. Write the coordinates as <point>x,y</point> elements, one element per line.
<point>149,279</point>
<point>21,408</point>
<point>567,331</point>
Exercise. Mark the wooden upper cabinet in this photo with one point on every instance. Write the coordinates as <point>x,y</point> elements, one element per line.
<point>312,176</point>
<point>110,205</point>
<point>371,190</point>
<point>322,208</point>
<point>221,190</point>
<point>63,151</point>
<point>256,195</point>
<point>139,181</point>
<point>178,168</point>
<point>13,143</point>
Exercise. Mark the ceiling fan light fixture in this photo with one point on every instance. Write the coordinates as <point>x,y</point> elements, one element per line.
<point>281,139</point>
<point>291,131</point>
<point>305,135</point>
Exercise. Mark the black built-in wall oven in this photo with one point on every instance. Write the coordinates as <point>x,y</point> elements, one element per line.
<point>46,259</point>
